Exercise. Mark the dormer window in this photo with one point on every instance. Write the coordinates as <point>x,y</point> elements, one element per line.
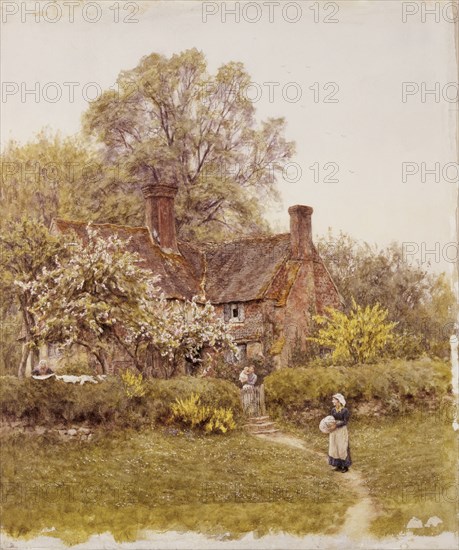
<point>234,313</point>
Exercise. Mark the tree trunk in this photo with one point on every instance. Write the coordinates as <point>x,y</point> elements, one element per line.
<point>28,323</point>
<point>23,363</point>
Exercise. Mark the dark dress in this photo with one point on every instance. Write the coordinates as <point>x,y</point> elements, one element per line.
<point>342,418</point>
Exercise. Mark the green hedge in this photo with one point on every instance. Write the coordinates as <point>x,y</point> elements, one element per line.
<point>298,388</point>
<point>53,401</point>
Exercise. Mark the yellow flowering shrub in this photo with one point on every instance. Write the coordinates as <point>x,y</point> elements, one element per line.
<point>191,413</point>
<point>134,385</point>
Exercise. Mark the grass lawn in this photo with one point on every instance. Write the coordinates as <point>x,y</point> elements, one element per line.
<point>127,481</point>
<point>409,463</point>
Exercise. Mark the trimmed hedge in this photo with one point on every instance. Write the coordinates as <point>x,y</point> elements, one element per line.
<point>46,401</point>
<point>298,388</point>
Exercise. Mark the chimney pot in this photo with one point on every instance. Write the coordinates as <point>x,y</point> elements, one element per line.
<point>301,232</point>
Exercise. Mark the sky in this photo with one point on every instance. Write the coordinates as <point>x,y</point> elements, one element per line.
<point>376,153</point>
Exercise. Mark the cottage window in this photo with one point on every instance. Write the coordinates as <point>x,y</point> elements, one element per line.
<point>234,313</point>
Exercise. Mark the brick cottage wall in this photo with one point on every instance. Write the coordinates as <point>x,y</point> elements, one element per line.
<point>251,328</point>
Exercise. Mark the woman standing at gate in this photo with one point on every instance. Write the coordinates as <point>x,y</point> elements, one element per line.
<point>339,454</point>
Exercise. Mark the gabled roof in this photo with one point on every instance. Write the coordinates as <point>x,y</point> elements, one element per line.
<point>243,270</point>
<point>237,271</point>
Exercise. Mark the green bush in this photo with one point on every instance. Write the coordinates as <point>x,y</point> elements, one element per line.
<point>53,401</point>
<point>75,363</point>
<point>297,388</point>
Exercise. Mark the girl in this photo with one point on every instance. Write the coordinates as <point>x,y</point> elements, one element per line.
<point>339,454</point>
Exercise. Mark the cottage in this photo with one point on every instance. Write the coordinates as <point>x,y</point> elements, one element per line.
<point>266,288</point>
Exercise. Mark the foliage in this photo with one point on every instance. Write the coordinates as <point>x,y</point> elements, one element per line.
<point>221,420</point>
<point>55,177</point>
<point>299,388</point>
<point>100,298</point>
<point>10,347</point>
<point>74,362</point>
<point>191,412</point>
<point>27,249</point>
<point>359,337</point>
<point>107,403</point>
<point>189,327</point>
<point>423,304</point>
<point>133,384</point>
<point>171,121</point>
<point>213,392</point>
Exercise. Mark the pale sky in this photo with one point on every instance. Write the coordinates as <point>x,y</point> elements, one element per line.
<point>365,56</point>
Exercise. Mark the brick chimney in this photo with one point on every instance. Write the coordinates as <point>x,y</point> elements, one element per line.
<point>160,214</point>
<point>301,232</point>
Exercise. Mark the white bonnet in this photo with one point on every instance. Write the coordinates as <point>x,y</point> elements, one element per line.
<point>340,398</point>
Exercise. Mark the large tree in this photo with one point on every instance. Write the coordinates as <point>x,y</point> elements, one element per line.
<point>53,176</point>
<point>169,120</point>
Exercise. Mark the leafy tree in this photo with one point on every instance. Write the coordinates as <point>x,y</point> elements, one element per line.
<point>357,337</point>
<point>26,248</point>
<point>422,304</point>
<point>172,121</point>
<point>99,298</point>
<point>52,176</point>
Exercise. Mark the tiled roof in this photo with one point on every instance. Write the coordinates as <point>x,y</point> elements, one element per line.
<point>178,277</point>
<point>243,270</point>
<point>236,271</point>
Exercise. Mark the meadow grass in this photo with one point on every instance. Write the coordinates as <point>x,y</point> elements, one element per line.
<point>127,481</point>
<point>409,463</point>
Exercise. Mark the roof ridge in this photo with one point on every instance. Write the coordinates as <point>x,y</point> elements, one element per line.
<point>247,239</point>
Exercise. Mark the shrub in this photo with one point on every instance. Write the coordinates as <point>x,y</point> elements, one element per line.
<point>357,337</point>
<point>213,392</point>
<point>191,413</point>
<point>108,402</point>
<point>133,384</point>
<point>52,400</point>
<point>221,420</point>
<point>295,389</point>
<point>75,363</point>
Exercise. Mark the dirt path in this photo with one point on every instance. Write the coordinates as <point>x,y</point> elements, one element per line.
<point>358,517</point>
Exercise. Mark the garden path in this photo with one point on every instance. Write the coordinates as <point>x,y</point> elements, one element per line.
<point>359,516</point>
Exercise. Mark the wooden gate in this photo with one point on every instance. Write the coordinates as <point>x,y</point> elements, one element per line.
<point>253,400</point>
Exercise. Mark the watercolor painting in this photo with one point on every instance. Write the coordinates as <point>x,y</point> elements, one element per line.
<point>229,274</point>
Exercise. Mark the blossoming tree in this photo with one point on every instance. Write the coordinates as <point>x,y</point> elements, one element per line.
<point>100,298</point>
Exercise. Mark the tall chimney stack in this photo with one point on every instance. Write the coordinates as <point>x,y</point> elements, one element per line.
<point>301,232</point>
<point>160,214</point>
